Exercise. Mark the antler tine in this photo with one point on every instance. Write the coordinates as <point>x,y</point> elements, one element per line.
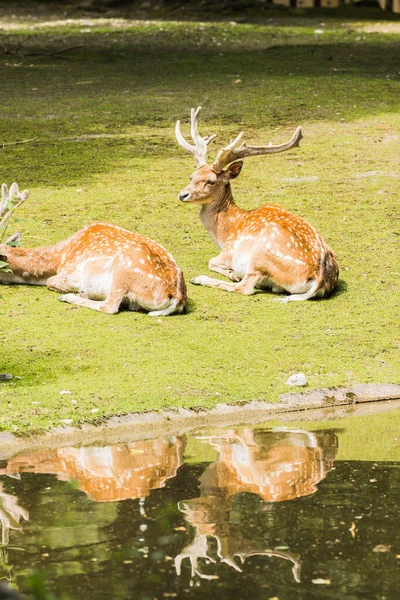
<point>197,549</point>
<point>233,152</point>
<point>4,198</point>
<point>14,239</point>
<point>225,155</point>
<point>194,119</point>
<point>8,195</point>
<point>199,149</point>
<point>181,140</point>
<point>7,206</point>
<point>14,190</point>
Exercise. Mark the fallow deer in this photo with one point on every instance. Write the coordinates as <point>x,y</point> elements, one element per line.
<point>267,247</point>
<point>277,465</point>
<point>103,267</point>
<point>106,473</point>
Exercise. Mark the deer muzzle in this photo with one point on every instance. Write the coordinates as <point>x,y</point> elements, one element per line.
<point>184,195</point>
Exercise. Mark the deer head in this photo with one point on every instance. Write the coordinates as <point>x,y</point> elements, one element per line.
<point>209,182</point>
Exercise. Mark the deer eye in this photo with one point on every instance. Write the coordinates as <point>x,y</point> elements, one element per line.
<point>210,182</point>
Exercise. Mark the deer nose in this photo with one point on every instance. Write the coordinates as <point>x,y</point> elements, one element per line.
<point>183,195</point>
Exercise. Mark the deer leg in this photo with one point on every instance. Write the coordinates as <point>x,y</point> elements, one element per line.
<point>117,293</point>
<point>300,297</point>
<point>63,282</point>
<point>246,286</point>
<point>110,305</point>
<point>107,305</point>
<point>219,265</point>
<point>211,282</point>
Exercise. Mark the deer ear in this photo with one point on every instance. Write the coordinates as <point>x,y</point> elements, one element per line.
<point>234,169</point>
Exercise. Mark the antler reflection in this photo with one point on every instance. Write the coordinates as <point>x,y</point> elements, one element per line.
<point>10,514</point>
<point>275,465</point>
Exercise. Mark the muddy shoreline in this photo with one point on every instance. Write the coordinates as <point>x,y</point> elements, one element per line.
<point>309,405</point>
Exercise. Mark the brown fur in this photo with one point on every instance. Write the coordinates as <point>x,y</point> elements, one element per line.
<point>103,267</point>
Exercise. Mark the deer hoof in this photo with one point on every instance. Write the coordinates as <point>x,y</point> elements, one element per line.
<point>65,297</point>
<point>282,300</point>
<point>201,280</point>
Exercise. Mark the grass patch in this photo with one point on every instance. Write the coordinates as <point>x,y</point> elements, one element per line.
<point>102,115</point>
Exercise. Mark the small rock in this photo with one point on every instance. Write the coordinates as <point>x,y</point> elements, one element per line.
<point>5,376</point>
<point>63,392</point>
<point>299,379</point>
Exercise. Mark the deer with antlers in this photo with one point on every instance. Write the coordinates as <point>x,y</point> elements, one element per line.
<point>103,267</point>
<point>267,247</point>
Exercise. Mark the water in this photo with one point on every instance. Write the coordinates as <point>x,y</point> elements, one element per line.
<point>302,512</point>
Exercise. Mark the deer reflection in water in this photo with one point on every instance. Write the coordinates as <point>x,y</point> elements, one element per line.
<point>276,465</point>
<point>10,514</point>
<point>104,474</point>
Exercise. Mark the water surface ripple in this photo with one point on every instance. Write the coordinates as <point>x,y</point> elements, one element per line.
<point>254,513</point>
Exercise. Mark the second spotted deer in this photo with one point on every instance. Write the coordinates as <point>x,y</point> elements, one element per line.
<point>103,267</point>
<point>267,247</point>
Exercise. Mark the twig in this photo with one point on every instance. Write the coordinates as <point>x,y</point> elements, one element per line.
<point>20,142</point>
<point>11,50</point>
<point>10,212</point>
<point>54,51</point>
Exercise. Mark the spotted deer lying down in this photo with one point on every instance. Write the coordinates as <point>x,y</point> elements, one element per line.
<point>268,247</point>
<point>103,267</point>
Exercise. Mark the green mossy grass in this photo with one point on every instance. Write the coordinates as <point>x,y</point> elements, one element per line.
<point>102,116</point>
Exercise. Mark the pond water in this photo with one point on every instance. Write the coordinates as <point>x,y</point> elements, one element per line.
<point>278,511</point>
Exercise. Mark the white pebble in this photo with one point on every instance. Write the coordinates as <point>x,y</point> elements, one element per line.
<point>299,379</point>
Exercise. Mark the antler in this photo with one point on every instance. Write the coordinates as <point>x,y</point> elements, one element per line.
<point>7,197</point>
<point>7,205</point>
<point>235,150</point>
<point>293,558</point>
<point>199,150</point>
<point>197,549</point>
<point>10,514</point>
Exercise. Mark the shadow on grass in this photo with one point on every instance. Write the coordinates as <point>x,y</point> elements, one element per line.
<point>83,115</point>
<point>341,288</point>
<point>205,11</point>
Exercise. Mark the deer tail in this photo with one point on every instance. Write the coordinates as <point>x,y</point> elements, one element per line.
<point>181,291</point>
<point>329,272</point>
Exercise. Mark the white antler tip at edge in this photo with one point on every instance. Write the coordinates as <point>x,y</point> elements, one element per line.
<point>14,191</point>
<point>299,133</point>
<point>235,142</point>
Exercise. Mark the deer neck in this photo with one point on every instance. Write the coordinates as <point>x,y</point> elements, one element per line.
<point>221,216</point>
<point>33,263</point>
